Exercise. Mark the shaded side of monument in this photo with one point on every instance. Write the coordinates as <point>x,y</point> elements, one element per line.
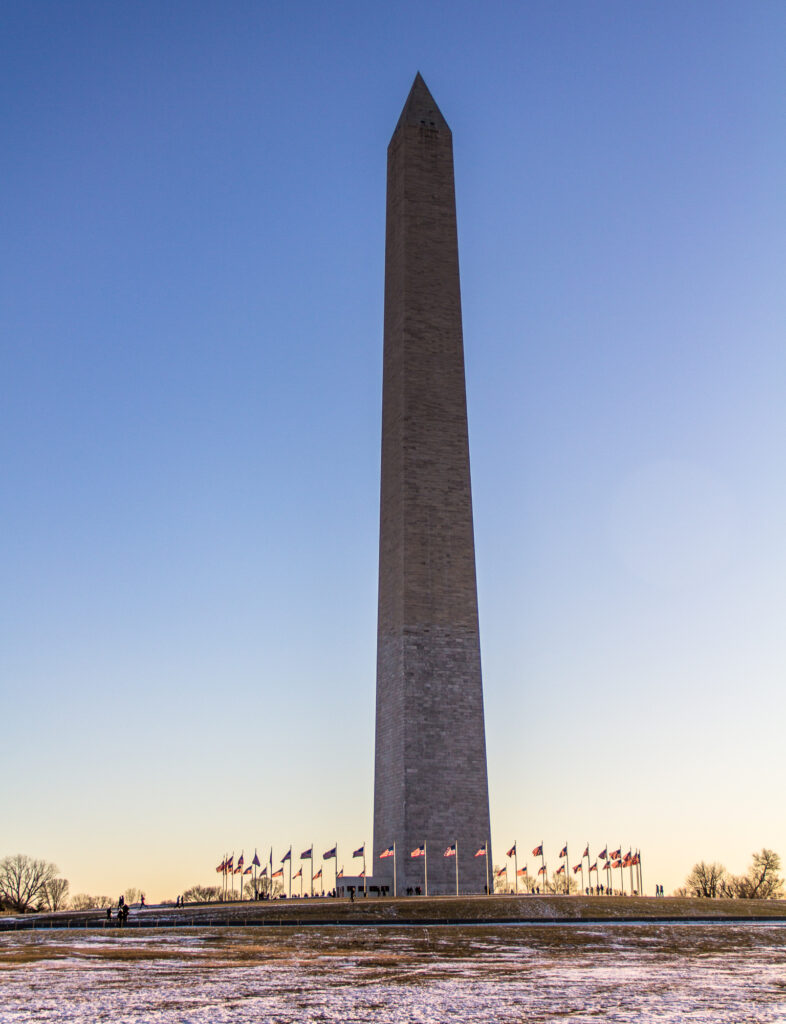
<point>431,783</point>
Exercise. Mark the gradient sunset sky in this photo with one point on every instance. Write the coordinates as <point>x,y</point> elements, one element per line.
<point>191,297</point>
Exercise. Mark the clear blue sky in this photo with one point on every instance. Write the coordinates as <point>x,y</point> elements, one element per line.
<point>191,291</point>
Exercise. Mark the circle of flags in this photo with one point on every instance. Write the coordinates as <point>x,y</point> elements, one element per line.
<point>607,861</point>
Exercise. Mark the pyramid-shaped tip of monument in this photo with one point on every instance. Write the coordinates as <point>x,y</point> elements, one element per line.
<point>421,107</point>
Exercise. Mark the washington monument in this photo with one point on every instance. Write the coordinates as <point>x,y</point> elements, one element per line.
<point>430,784</point>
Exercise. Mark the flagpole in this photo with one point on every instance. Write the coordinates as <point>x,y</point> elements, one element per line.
<point>425,863</point>
<point>516,863</point>
<point>312,869</point>
<point>457,867</point>
<point>641,876</point>
<point>290,870</point>
<point>365,879</point>
<point>395,892</point>
<point>543,863</point>
<point>488,880</point>
<point>567,865</point>
<point>335,884</point>
<point>589,873</point>
<point>270,891</point>
<point>622,874</point>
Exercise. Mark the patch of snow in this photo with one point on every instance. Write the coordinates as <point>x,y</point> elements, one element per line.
<point>666,973</point>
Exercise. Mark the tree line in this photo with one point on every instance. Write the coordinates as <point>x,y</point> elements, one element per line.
<point>760,882</point>
<point>30,884</point>
<point>27,883</point>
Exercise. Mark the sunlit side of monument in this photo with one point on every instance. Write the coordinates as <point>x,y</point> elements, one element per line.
<point>431,785</point>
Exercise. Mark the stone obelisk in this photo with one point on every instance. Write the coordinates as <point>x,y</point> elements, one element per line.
<point>431,784</point>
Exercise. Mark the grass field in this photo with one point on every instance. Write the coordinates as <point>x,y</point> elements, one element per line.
<point>417,910</point>
<point>723,973</point>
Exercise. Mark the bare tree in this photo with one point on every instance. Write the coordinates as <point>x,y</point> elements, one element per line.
<point>762,882</point>
<point>557,884</point>
<point>54,894</point>
<point>263,887</point>
<point>499,882</point>
<point>82,901</point>
<point>201,894</point>
<point>132,894</point>
<point>707,880</point>
<point>22,880</point>
<point>763,877</point>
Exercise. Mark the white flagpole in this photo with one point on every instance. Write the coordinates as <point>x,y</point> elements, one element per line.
<point>290,870</point>
<point>425,863</point>
<point>395,892</point>
<point>488,890</point>
<point>516,863</point>
<point>312,869</point>
<point>335,884</point>
<point>365,878</point>
<point>457,867</point>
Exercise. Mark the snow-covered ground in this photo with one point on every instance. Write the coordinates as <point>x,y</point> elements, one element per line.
<point>585,973</point>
